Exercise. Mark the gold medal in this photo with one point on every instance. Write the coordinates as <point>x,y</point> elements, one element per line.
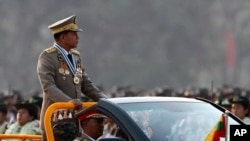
<point>76,80</point>
<point>66,72</point>
<point>61,70</point>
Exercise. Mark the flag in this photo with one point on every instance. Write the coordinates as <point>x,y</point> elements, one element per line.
<point>230,49</point>
<point>219,130</point>
<point>230,57</point>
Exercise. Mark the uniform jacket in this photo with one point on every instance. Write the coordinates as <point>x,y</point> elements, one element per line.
<point>58,86</point>
<point>84,137</point>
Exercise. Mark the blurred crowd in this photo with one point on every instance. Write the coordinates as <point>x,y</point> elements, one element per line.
<point>14,104</point>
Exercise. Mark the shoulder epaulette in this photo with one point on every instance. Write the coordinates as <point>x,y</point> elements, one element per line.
<point>50,50</point>
<point>75,51</point>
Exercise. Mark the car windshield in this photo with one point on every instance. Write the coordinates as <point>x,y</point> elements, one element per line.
<point>174,121</point>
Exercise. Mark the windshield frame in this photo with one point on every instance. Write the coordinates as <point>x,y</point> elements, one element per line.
<point>233,120</point>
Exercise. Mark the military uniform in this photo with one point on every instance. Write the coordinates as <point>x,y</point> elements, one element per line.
<point>84,115</point>
<point>60,79</point>
<point>84,137</point>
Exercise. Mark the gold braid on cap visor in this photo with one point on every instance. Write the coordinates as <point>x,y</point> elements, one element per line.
<point>70,26</point>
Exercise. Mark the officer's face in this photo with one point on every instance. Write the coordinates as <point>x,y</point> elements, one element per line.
<point>70,39</point>
<point>93,127</point>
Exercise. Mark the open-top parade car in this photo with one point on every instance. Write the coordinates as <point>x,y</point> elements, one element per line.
<point>150,118</point>
<point>163,118</point>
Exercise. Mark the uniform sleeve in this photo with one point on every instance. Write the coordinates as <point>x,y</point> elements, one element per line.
<point>46,74</point>
<point>90,90</point>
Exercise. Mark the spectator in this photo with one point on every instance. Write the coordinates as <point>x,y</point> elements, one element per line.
<point>10,99</point>
<point>3,117</point>
<point>226,103</point>
<point>240,107</point>
<point>26,120</point>
<point>36,100</point>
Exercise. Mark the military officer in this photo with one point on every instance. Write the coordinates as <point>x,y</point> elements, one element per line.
<point>92,125</point>
<point>60,71</point>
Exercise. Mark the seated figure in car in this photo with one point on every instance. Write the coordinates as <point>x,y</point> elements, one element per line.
<point>92,126</point>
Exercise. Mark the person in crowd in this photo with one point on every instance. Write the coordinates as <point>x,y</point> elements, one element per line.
<point>11,98</point>
<point>60,72</point>
<point>224,102</point>
<point>240,107</point>
<point>36,100</point>
<point>92,126</point>
<point>3,117</point>
<point>26,120</point>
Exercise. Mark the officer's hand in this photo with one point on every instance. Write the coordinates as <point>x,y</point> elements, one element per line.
<point>77,103</point>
